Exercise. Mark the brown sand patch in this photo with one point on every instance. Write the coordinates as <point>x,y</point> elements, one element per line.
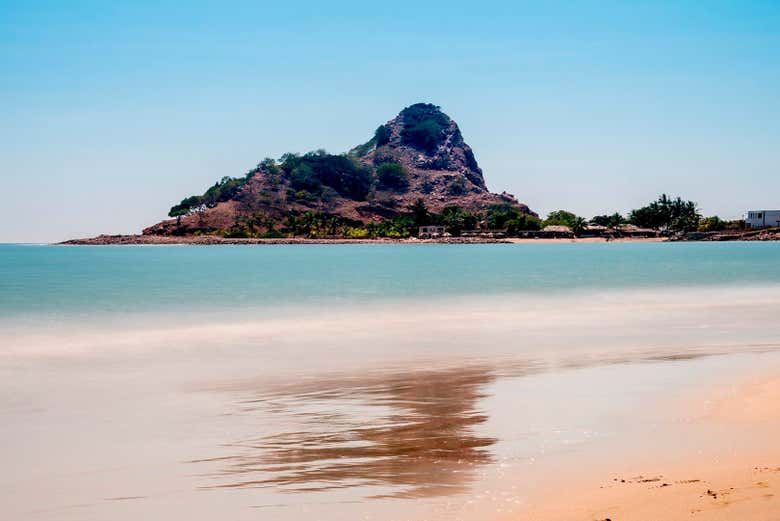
<point>727,490</point>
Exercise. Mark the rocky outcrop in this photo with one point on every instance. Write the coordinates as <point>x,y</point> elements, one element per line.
<point>439,149</point>
<point>430,161</point>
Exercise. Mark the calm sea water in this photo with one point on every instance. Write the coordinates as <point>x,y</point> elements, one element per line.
<point>345,383</point>
<point>60,281</point>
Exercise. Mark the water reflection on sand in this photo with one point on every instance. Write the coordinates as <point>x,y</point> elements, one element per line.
<point>402,434</point>
<point>397,435</point>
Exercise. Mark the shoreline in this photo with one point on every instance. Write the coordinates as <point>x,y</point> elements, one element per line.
<point>214,240</point>
<point>203,240</point>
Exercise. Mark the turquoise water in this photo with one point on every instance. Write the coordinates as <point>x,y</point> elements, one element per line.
<point>60,281</point>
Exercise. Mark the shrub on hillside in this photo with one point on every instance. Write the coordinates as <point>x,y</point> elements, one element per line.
<point>382,135</point>
<point>314,170</point>
<point>392,176</point>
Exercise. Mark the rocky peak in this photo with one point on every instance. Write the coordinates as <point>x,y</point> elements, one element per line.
<point>425,138</point>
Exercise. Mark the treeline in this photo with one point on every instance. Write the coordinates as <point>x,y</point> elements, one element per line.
<point>454,219</point>
<point>665,214</point>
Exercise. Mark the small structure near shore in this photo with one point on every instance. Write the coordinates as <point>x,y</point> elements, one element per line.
<point>431,232</point>
<point>596,230</point>
<point>556,232</point>
<point>630,230</point>
<point>762,219</point>
<point>484,233</point>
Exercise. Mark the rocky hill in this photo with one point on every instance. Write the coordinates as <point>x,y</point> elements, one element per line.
<point>417,164</point>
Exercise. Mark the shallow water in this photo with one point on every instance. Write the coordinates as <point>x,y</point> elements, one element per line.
<point>358,382</point>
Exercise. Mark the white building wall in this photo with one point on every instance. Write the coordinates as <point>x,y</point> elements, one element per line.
<point>762,218</point>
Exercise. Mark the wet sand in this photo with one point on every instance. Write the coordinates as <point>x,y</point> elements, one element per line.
<point>476,409</point>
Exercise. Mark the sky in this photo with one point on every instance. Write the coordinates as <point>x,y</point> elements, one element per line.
<point>111,112</point>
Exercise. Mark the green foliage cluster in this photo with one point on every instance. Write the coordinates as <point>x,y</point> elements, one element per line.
<point>314,225</point>
<point>408,223</point>
<point>319,225</point>
<point>560,218</point>
<point>315,170</point>
<point>666,213</point>
<point>400,227</point>
<point>424,126</point>
<point>610,221</point>
<point>711,224</point>
<point>574,222</point>
<point>505,216</point>
<point>382,135</point>
<point>669,214</point>
<point>269,166</point>
<point>392,176</point>
<point>255,224</point>
<point>716,224</point>
<point>223,190</point>
<point>456,220</point>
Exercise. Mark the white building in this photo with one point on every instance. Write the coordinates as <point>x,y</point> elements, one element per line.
<point>427,232</point>
<point>762,219</point>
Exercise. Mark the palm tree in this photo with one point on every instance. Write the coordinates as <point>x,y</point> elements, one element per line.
<point>578,225</point>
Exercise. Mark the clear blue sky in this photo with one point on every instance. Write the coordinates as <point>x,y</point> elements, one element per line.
<point>111,113</point>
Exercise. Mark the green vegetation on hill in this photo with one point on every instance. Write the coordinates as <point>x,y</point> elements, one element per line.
<point>392,176</point>
<point>424,126</point>
<point>315,170</point>
<point>310,175</point>
<point>382,135</point>
<point>223,190</point>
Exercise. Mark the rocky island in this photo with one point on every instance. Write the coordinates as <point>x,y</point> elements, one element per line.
<point>416,170</point>
<point>415,179</point>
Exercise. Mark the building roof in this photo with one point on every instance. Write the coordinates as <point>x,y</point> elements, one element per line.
<point>634,228</point>
<point>557,228</point>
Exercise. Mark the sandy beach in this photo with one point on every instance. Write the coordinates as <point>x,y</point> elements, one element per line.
<point>739,480</point>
